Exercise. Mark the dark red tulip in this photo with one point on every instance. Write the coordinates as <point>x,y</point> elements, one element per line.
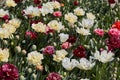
<point>6,17</point>
<point>76,3</point>
<point>17,1</point>
<point>71,39</point>
<point>79,52</point>
<point>37,1</point>
<point>39,6</point>
<point>111,1</point>
<point>56,0</point>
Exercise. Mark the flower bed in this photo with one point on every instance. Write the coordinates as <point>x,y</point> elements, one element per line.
<point>59,40</point>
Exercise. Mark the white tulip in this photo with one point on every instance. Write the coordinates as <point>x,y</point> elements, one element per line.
<point>63,37</point>
<point>46,9</point>
<point>104,56</point>
<point>87,23</point>
<point>33,11</point>
<point>69,64</point>
<point>83,31</point>
<point>84,64</point>
<point>90,16</point>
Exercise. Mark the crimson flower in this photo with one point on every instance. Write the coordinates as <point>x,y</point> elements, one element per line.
<point>57,14</point>
<point>37,1</point>
<point>56,0</point>
<point>17,1</point>
<point>35,21</point>
<point>54,76</point>
<point>113,42</point>
<point>6,17</point>
<point>111,1</point>
<point>49,30</point>
<point>80,52</point>
<point>39,6</point>
<point>76,3</point>
<point>49,50</point>
<point>9,72</point>
<point>32,35</point>
<point>71,39</point>
<point>99,32</point>
<point>66,45</point>
<point>114,32</point>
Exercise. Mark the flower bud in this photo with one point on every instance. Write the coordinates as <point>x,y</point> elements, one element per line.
<point>44,19</point>
<point>24,52</point>
<point>23,41</point>
<point>115,68</point>
<point>87,46</point>
<point>118,59</point>
<point>65,74</point>
<point>23,62</point>
<point>114,78</point>
<point>115,75</point>
<point>12,43</point>
<point>34,47</point>
<point>115,72</point>
<point>39,67</point>
<point>54,43</point>
<point>17,49</point>
<point>18,37</point>
<point>5,42</point>
<point>68,0</point>
<point>34,76</point>
<point>51,34</point>
<point>22,77</point>
<point>29,70</point>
